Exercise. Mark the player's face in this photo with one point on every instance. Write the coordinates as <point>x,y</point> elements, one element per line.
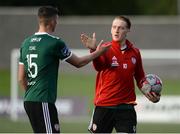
<point>119,30</point>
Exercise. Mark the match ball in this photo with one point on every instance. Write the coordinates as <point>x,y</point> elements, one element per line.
<point>155,83</point>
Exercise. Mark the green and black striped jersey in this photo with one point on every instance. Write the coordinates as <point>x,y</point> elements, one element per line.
<point>40,55</point>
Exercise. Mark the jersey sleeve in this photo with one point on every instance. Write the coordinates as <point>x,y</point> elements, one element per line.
<point>99,63</point>
<point>62,51</point>
<point>139,71</point>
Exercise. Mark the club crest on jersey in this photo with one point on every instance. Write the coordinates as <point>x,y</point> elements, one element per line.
<point>133,59</point>
<point>114,62</point>
<point>125,66</point>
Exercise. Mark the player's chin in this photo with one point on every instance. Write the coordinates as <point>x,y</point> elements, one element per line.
<point>116,38</point>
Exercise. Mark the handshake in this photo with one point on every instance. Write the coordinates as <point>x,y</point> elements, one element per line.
<point>90,43</point>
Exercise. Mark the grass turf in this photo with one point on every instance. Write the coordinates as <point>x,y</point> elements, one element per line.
<point>7,126</point>
<point>82,85</point>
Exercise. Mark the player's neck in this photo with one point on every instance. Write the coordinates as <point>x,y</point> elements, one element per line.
<point>123,46</point>
<point>45,29</point>
<point>122,43</point>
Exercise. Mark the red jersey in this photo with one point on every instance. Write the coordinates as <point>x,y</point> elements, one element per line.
<point>116,73</point>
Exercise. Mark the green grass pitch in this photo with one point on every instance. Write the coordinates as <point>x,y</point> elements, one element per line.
<point>82,85</point>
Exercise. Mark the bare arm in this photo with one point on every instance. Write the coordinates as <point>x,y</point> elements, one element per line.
<point>82,61</point>
<point>22,77</point>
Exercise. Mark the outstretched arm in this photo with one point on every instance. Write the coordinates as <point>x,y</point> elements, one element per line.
<point>82,61</point>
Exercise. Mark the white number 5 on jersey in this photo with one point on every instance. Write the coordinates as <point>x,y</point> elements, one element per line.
<point>32,66</point>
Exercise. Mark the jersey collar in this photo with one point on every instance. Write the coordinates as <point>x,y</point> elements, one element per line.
<point>40,33</point>
<point>117,44</point>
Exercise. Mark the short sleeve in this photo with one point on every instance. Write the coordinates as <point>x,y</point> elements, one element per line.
<point>63,52</point>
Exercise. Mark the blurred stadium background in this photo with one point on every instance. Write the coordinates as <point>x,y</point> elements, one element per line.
<point>155,26</point>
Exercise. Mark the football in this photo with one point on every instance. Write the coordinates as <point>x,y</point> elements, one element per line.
<point>155,83</point>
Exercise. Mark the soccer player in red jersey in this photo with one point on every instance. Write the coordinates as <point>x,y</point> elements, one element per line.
<point>115,89</point>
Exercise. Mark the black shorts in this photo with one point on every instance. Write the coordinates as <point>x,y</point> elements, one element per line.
<point>43,117</point>
<point>122,118</point>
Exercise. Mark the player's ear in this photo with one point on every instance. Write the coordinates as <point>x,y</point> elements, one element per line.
<point>111,30</point>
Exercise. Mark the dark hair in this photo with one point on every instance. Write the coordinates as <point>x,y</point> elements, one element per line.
<point>125,19</point>
<point>47,12</point>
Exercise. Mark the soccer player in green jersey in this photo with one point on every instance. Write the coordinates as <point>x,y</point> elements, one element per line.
<point>38,71</point>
